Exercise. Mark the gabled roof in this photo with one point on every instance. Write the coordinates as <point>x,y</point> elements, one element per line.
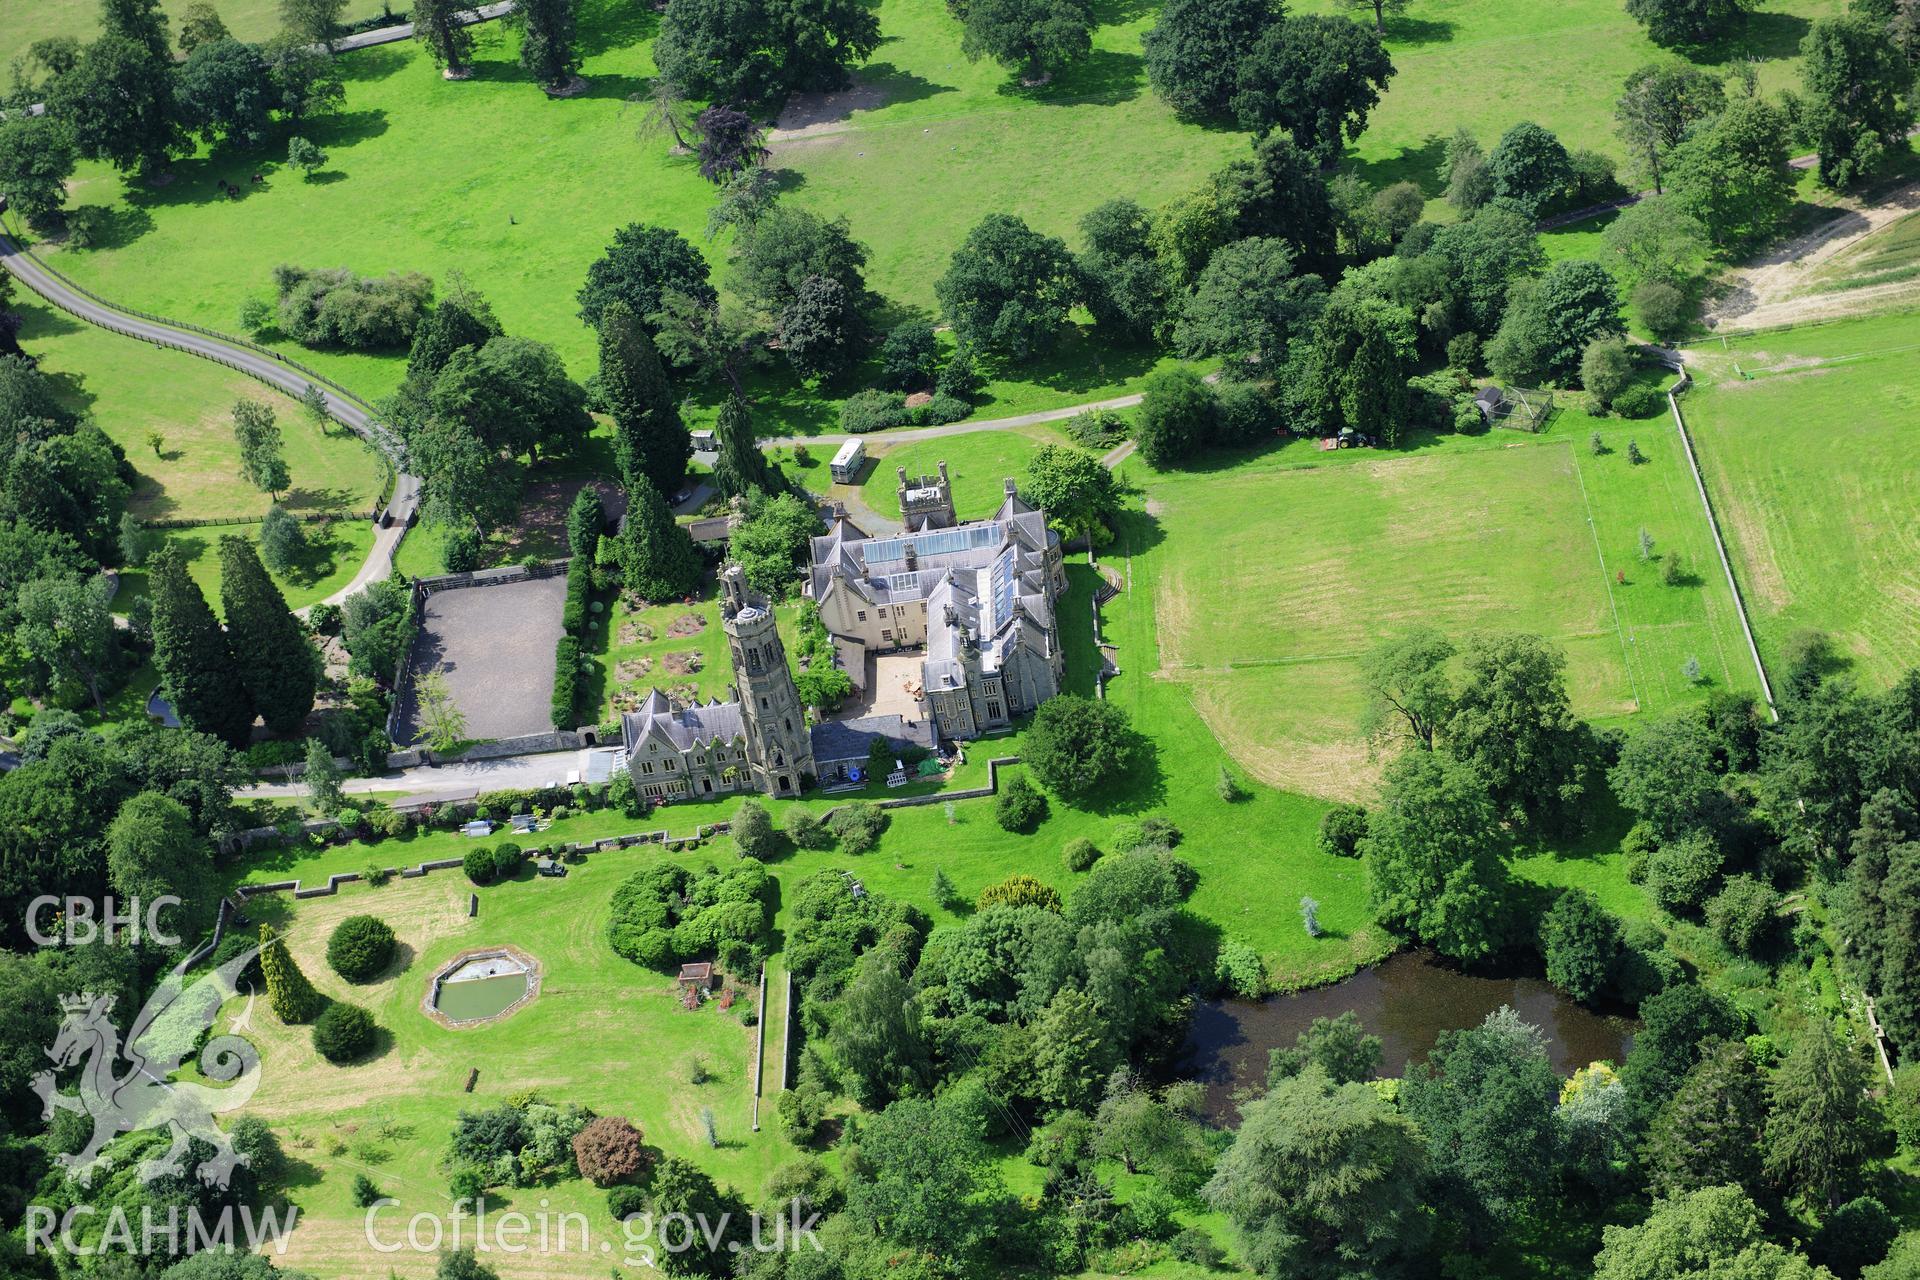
<point>681,728</point>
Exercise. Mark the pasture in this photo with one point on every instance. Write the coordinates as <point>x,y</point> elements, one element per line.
<point>1276,574</point>
<point>1810,459</point>
<point>927,145</point>
<point>524,221</point>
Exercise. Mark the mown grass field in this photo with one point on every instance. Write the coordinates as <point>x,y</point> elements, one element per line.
<point>24,21</point>
<point>1279,572</point>
<point>1812,465</point>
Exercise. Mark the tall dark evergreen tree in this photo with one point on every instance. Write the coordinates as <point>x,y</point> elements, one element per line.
<point>742,468</point>
<point>1709,1134</point>
<point>657,556</point>
<point>649,439</point>
<point>196,663</point>
<point>276,663</point>
<point>546,41</point>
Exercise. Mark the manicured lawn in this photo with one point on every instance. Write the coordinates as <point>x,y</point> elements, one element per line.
<point>642,654</point>
<point>1812,467</point>
<point>602,1032</point>
<point>31,20</point>
<point>1280,571</point>
<point>979,464</point>
<point>133,390</point>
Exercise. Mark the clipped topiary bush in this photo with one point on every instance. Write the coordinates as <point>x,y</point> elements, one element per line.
<point>479,865</point>
<point>360,948</point>
<point>1020,807</point>
<point>344,1032</point>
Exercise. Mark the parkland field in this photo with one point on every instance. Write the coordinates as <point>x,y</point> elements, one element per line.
<point>1277,574</point>
<point>926,145</point>
<point>1807,440</point>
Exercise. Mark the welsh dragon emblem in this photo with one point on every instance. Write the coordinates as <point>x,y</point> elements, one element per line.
<point>142,1096</point>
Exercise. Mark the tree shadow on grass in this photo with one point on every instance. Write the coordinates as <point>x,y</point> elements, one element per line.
<point>117,226</point>
<point>1104,77</point>
<point>1419,165</point>
<point>1081,361</point>
<point>347,128</point>
<point>616,88</point>
<point>606,25</point>
<point>376,62</point>
<point>1403,31</point>
<point>1765,36</point>
<point>896,85</point>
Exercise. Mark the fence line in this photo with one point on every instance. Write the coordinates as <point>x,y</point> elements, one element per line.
<point>1674,362</point>
<point>372,431</point>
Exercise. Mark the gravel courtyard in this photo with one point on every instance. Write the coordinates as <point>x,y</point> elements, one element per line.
<point>495,646</point>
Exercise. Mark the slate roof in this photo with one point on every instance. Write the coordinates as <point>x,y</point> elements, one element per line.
<point>852,739</point>
<point>684,727</point>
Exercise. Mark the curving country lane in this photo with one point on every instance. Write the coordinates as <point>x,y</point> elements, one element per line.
<point>255,361</point>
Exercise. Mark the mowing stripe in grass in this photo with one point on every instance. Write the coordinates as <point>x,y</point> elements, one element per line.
<point>1613,605</point>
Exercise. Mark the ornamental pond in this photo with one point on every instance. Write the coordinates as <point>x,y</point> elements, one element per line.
<point>1406,1000</point>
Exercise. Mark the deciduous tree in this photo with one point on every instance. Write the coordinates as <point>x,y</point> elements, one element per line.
<point>1860,98</point>
<point>37,156</point>
<point>119,102</point>
<point>1732,173</point>
<point>1661,102</point>
<point>1009,288</point>
<point>1315,78</point>
<point>641,266</point>
<point>1433,851</point>
<point>1037,38</point>
<point>262,454</point>
<point>154,852</point>
<point>1193,52</point>
<point>1323,1182</point>
<point>1688,23</point>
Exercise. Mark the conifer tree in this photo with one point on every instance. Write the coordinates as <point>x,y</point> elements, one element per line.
<point>546,41</point>
<point>741,468</point>
<point>436,23</point>
<point>193,656</point>
<point>276,663</point>
<point>657,556</point>
<point>291,996</point>
<point>649,438</point>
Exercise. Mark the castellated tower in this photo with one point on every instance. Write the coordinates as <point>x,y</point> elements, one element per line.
<point>779,746</point>
<point>926,503</point>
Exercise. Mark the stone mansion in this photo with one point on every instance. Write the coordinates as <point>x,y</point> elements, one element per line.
<point>979,598</point>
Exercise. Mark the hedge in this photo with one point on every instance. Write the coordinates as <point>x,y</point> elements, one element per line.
<point>566,682</point>
<point>573,614</point>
